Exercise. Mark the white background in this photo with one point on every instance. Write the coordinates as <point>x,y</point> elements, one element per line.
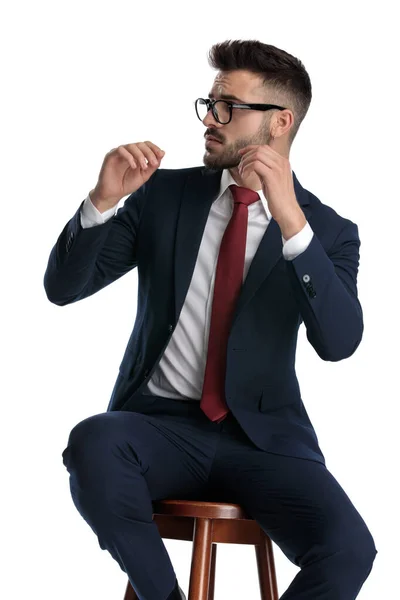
<point>84,77</point>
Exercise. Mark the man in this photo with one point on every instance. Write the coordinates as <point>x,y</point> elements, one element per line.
<point>232,257</point>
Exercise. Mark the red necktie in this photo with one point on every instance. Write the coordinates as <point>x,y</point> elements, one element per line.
<point>228,282</point>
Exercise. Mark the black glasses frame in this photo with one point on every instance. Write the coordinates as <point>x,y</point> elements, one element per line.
<point>211,104</point>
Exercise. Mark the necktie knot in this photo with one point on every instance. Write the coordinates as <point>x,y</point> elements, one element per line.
<point>242,195</point>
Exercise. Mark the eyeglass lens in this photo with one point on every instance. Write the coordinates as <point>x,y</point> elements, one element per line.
<point>221,108</point>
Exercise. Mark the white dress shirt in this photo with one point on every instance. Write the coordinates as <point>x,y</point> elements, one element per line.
<point>180,372</point>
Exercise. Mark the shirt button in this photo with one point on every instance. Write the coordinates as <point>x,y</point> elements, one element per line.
<point>306,278</point>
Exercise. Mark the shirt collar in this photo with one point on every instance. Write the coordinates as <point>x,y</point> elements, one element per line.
<point>227,180</point>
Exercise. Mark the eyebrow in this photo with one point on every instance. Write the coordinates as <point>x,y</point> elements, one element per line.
<point>227,97</point>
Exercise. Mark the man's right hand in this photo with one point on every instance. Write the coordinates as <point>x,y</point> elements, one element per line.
<point>124,171</point>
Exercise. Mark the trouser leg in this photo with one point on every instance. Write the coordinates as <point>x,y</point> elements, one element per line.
<point>304,510</point>
<point>119,463</point>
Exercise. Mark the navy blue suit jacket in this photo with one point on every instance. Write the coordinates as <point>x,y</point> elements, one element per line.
<point>159,230</point>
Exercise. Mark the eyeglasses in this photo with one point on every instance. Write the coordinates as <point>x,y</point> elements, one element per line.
<point>222,109</point>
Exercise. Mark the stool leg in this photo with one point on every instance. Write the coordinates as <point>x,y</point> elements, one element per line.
<point>130,593</point>
<point>212,572</point>
<point>266,569</point>
<point>201,560</point>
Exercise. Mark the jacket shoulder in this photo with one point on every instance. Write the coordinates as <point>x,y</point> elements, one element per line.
<point>326,213</point>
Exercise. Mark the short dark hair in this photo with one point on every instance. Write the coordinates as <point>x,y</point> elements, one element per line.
<point>284,76</point>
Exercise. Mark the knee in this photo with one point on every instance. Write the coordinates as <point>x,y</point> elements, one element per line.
<point>357,553</point>
<point>362,551</point>
<point>90,441</point>
<point>351,552</point>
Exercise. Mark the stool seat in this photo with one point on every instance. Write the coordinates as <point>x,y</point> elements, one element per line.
<point>199,510</point>
<point>207,523</point>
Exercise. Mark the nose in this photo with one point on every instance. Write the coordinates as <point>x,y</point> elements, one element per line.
<point>210,121</point>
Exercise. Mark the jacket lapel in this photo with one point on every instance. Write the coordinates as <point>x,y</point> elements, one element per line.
<point>268,253</point>
<point>198,195</point>
<point>201,189</point>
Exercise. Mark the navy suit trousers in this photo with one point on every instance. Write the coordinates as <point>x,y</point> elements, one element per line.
<point>120,462</point>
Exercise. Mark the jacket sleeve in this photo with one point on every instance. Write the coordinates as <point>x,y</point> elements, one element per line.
<point>83,261</point>
<point>325,286</point>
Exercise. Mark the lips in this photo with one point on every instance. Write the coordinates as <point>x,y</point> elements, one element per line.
<point>210,138</point>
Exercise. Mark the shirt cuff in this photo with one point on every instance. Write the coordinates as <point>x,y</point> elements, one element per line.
<point>298,243</point>
<point>90,216</point>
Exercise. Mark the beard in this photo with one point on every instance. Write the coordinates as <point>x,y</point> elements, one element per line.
<point>225,156</point>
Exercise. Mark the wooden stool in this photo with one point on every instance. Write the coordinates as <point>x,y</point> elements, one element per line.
<point>206,524</point>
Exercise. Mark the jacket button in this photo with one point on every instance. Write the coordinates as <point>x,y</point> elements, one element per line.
<point>146,373</point>
<point>170,327</point>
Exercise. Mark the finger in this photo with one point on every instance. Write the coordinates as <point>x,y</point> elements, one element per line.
<point>263,151</point>
<point>249,156</point>
<point>137,154</point>
<point>122,151</point>
<point>245,162</point>
<point>258,166</point>
<point>149,154</point>
<point>258,156</point>
<point>247,148</point>
<point>157,151</point>
<point>245,168</point>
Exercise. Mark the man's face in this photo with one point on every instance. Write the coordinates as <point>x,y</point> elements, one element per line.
<point>246,127</point>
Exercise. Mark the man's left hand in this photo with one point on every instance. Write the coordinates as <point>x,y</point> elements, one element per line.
<point>276,178</point>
